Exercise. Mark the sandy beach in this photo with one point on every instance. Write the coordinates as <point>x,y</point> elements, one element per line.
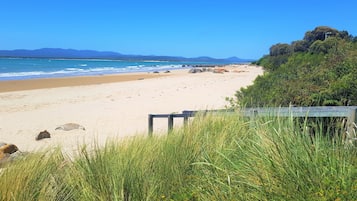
<point>109,106</point>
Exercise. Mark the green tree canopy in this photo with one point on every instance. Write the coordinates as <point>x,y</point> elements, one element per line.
<point>320,33</point>
<point>320,69</point>
<point>280,49</point>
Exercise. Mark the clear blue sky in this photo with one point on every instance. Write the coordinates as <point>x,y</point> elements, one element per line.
<point>190,28</point>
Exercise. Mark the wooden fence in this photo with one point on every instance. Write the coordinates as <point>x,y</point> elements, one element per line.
<point>348,112</point>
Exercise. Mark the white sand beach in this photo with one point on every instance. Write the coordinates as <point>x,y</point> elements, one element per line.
<point>109,106</point>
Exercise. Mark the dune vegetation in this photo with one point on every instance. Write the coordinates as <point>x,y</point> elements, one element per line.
<point>220,157</point>
<point>319,70</point>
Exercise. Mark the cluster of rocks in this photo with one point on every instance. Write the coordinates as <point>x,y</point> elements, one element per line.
<point>207,69</point>
<point>205,65</point>
<point>164,71</point>
<point>65,127</point>
<point>9,152</point>
<point>220,70</point>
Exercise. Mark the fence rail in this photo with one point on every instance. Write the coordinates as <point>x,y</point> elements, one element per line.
<point>322,111</point>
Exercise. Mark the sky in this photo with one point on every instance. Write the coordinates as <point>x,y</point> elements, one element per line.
<point>189,28</point>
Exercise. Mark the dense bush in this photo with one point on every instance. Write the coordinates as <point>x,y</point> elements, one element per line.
<point>319,70</point>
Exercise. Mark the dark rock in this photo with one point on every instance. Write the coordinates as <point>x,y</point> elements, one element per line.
<point>43,134</point>
<point>156,72</point>
<point>220,70</point>
<point>6,150</point>
<point>9,153</point>
<point>167,71</point>
<point>195,70</point>
<point>9,148</point>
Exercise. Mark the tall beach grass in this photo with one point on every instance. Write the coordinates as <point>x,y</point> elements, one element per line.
<point>215,157</point>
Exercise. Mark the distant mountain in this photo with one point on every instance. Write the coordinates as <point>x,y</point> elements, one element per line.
<point>92,54</point>
<point>58,53</point>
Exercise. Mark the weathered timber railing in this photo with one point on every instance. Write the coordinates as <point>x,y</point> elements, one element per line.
<point>348,112</point>
<point>170,118</point>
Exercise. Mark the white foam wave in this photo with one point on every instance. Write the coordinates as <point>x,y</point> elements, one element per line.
<point>20,74</point>
<point>82,72</point>
<point>59,72</point>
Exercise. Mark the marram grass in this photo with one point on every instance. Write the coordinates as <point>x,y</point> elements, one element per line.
<point>216,157</point>
<point>34,177</point>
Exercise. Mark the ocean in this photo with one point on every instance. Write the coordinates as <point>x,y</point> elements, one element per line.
<point>33,68</point>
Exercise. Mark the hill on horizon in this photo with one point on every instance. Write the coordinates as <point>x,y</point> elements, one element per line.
<point>92,54</point>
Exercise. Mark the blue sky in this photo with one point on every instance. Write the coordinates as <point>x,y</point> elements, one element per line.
<point>189,28</point>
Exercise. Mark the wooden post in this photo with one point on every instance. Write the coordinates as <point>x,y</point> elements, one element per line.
<point>170,122</point>
<point>185,120</point>
<point>151,124</point>
<point>253,114</point>
<point>351,125</point>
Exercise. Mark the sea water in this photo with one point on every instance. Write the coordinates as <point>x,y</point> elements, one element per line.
<point>31,68</point>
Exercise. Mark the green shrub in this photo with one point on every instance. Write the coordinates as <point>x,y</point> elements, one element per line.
<point>318,70</point>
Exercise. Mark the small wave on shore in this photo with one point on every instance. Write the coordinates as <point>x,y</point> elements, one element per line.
<point>20,69</point>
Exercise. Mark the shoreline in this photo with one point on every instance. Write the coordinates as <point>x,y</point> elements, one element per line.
<point>72,81</point>
<point>44,83</point>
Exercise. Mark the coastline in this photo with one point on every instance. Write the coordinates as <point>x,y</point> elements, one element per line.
<point>43,83</point>
<point>110,106</point>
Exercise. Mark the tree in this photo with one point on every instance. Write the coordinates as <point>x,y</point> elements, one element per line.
<point>344,35</point>
<point>280,49</point>
<point>300,46</point>
<point>319,33</point>
<point>323,47</point>
<point>318,70</point>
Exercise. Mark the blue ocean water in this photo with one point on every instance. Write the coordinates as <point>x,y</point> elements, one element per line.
<point>31,68</point>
